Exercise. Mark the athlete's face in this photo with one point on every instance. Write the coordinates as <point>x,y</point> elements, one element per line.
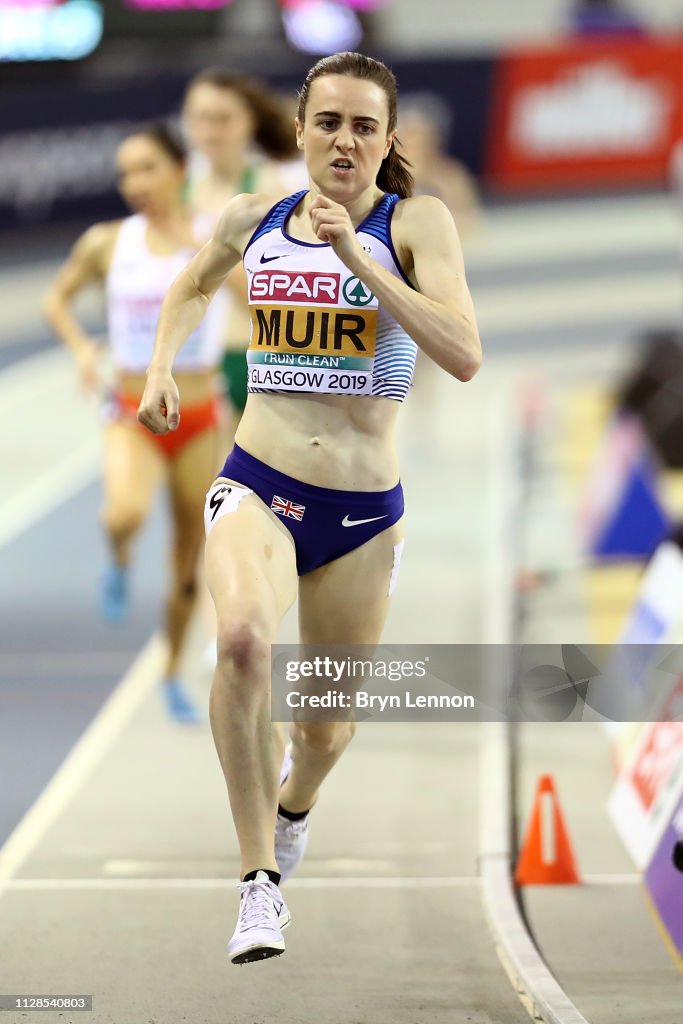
<point>218,122</point>
<point>149,178</point>
<point>345,134</point>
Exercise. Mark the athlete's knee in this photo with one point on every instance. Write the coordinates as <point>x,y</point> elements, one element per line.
<point>325,738</point>
<point>123,520</point>
<point>184,586</point>
<point>243,648</point>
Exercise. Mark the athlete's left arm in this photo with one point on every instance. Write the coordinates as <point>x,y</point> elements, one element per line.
<point>439,315</point>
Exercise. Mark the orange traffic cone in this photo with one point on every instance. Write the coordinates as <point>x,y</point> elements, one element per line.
<point>547,857</point>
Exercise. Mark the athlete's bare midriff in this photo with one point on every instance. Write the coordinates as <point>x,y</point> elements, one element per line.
<point>336,441</point>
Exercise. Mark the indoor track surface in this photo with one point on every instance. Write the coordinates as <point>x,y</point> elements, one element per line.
<point>119,859</point>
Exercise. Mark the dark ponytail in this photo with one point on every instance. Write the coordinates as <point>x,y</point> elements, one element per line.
<point>274,127</point>
<point>393,175</point>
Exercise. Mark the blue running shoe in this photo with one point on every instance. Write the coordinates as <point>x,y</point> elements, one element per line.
<point>179,706</point>
<point>114,594</point>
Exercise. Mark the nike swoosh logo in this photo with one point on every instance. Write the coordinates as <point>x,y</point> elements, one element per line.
<point>357,522</point>
<point>269,259</point>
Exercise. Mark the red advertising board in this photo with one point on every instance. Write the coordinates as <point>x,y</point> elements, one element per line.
<point>586,114</point>
<point>659,753</point>
<point>647,788</point>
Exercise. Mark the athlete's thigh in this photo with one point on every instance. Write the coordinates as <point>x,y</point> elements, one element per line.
<point>191,473</point>
<point>347,601</point>
<point>250,563</point>
<point>132,466</point>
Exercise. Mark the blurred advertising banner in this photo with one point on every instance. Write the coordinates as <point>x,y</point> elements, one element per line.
<point>664,879</point>
<point>58,144</point>
<point>649,786</point>
<point>586,114</point>
<point>58,139</point>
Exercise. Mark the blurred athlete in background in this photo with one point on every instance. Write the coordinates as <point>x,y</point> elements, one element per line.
<point>424,123</point>
<point>136,260</point>
<point>238,130</point>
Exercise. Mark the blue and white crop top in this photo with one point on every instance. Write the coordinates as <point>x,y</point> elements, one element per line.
<point>314,326</point>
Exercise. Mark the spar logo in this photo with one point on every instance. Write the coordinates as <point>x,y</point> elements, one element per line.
<point>280,286</point>
<point>356,293</point>
<point>595,108</point>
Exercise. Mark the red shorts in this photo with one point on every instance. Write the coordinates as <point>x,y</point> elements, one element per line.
<point>194,420</point>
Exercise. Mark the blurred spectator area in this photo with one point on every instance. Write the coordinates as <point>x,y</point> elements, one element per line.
<point>597,17</point>
<point>251,31</point>
<point>527,107</point>
<point>57,143</point>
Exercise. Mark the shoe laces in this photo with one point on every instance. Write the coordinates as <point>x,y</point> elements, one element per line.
<point>256,903</point>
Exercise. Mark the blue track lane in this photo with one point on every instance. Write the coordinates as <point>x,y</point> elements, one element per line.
<point>58,660</point>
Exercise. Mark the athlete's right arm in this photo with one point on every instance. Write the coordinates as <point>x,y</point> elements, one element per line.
<point>88,263</point>
<point>186,303</point>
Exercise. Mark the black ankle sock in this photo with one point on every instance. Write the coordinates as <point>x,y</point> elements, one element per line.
<point>272,875</point>
<point>291,815</point>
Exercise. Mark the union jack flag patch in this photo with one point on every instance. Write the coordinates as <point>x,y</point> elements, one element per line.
<point>285,507</point>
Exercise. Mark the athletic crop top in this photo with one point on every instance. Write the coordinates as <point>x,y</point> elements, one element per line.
<point>136,285</point>
<point>315,327</point>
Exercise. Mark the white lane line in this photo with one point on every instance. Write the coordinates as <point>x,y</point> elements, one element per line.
<point>536,988</point>
<point>125,884</point>
<point>21,289</point>
<point>331,867</point>
<point>43,371</point>
<point>625,879</point>
<point>60,440</point>
<point>367,882</point>
<point>50,489</point>
<point>82,759</point>
<point>43,374</point>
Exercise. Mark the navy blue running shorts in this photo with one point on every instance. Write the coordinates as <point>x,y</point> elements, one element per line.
<point>324,523</point>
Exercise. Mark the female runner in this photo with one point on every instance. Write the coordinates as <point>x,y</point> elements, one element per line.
<point>136,261</point>
<point>239,130</point>
<point>346,280</point>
